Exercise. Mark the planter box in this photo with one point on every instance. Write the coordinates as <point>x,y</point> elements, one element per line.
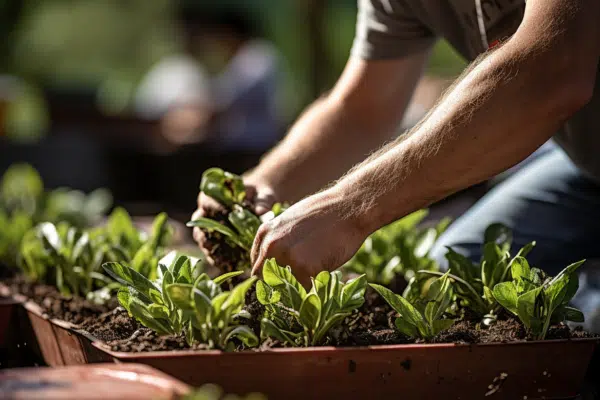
<point>549,369</point>
<point>523,370</point>
<point>8,307</point>
<point>101,381</point>
<point>59,342</point>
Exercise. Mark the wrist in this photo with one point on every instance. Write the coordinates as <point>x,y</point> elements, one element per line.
<point>358,213</point>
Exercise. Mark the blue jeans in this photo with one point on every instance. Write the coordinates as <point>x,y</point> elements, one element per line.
<point>550,201</point>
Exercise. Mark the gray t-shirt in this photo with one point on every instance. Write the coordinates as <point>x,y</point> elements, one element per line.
<point>397,28</point>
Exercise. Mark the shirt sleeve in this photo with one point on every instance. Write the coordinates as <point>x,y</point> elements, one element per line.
<point>389,29</point>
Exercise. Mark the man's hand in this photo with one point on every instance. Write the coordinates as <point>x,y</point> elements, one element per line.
<point>320,233</point>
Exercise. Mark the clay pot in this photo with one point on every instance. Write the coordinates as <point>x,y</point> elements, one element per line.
<point>549,369</point>
<point>101,381</point>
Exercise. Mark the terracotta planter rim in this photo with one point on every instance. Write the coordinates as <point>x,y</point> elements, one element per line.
<point>318,350</point>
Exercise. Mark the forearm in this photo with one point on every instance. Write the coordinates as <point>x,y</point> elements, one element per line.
<point>361,113</point>
<point>323,144</point>
<point>502,110</point>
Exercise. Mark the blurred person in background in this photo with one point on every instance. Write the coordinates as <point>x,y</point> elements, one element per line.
<point>533,76</point>
<point>223,90</point>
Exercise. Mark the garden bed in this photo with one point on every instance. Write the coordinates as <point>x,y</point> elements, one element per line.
<point>370,359</point>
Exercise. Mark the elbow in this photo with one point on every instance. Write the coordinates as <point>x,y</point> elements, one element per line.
<point>572,94</point>
<point>562,75</point>
<point>569,80</point>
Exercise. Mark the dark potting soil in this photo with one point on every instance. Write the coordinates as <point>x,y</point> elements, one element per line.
<point>224,255</point>
<point>75,310</point>
<point>372,324</point>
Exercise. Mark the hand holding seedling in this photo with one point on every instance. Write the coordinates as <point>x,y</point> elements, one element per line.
<point>260,195</point>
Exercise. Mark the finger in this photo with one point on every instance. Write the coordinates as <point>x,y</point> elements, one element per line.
<point>263,205</point>
<point>199,236</point>
<point>250,192</point>
<point>199,213</point>
<point>256,245</point>
<point>207,204</point>
<point>257,267</point>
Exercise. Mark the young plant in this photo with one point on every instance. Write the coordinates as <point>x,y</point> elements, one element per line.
<point>422,322</point>
<point>71,259</point>
<point>123,242</point>
<point>12,231</point>
<point>63,256</point>
<point>22,190</point>
<point>300,318</point>
<point>539,301</point>
<point>149,302</point>
<point>398,248</point>
<point>233,229</point>
<point>214,316</point>
<point>474,282</point>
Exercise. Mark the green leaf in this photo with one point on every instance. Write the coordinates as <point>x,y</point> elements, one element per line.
<point>526,307</point>
<point>321,283</point>
<point>331,322</point>
<point>488,294</point>
<point>400,305</point>
<point>425,242</point>
<point>142,313</point>
<point>555,292</point>
<point>160,231</point>
<point>209,288</point>
<point>123,297</point>
<point>181,295</point>
<point>353,293</point>
<point>211,225</point>
<point>283,280</point>
<point>406,328</point>
<point>225,187</point>
<point>244,334</point>
<point>500,235</point>
<point>269,329</point>
<point>526,249</point>
<point>460,265</point>
<point>158,311</point>
<point>166,281</point>
<point>245,222</point>
<point>265,294</point>
<point>492,256</point>
<point>572,314</point>
<point>238,295</point>
<point>441,325</point>
<point>223,278</point>
<point>181,263</point>
<point>202,304</point>
<point>130,277</point>
<point>310,311</point>
<point>505,294</point>
<point>520,268</point>
<point>568,270</point>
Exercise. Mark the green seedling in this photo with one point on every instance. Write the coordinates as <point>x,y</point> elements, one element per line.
<point>537,300</point>
<point>300,318</point>
<point>419,322</point>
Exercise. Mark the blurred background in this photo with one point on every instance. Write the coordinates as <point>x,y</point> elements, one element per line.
<point>140,96</point>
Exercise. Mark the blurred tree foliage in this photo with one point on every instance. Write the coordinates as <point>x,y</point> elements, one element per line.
<point>92,42</point>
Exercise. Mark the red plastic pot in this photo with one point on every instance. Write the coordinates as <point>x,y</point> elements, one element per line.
<point>101,381</point>
<point>549,369</point>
